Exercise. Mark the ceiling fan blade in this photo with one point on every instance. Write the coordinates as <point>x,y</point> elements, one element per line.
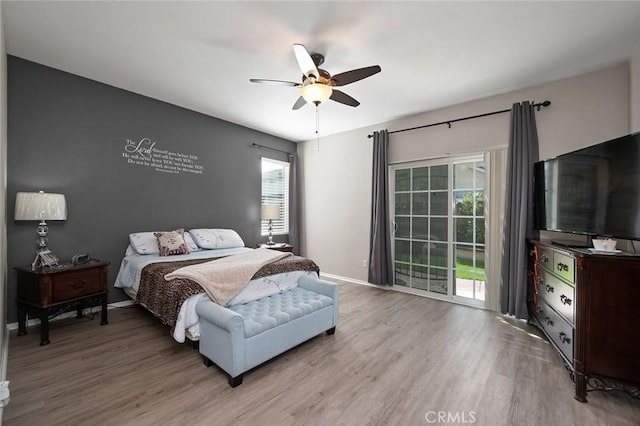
<point>354,75</point>
<point>299,103</point>
<point>343,98</point>
<point>305,62</point>
<point>278,82</point>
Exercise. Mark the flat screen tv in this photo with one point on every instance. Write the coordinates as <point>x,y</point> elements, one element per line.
<point>594,191</point>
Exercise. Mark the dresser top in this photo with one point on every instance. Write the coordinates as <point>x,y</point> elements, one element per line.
<point>62,267</point>
<point>584,251</point>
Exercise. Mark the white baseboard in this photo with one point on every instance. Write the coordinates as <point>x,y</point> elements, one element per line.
<point>122,304</point>
<point>405,290</point>
<point>355,281</point>
<point>70,314</point>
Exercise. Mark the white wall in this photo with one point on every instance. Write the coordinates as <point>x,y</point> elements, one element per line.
<point>635,89</point>
<point>585,110</point>
<point>336,181</point>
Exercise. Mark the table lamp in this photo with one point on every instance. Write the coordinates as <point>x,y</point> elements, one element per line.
<point>41,206</point>
<point>270,212</point>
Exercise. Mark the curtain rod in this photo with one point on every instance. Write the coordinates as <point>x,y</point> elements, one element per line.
<point>448,122</point>
<point>255,145</point>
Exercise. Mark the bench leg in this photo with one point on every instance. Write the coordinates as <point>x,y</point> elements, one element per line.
<point>235,381</point>
<point>207,361</point>
<point>331,331</point>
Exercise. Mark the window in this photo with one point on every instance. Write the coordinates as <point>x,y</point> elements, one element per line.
<point>275,190</point>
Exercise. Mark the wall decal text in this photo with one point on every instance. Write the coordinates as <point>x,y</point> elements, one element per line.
<point>146,153</point>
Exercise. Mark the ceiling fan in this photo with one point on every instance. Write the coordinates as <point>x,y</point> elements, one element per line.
<point>317,84</point>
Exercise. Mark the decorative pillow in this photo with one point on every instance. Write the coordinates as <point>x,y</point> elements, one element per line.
<point>147,243</point>
<point>171,243</point>
<point>216,238</point>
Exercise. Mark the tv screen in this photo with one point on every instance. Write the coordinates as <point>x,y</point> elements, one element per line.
<point>593,191</point>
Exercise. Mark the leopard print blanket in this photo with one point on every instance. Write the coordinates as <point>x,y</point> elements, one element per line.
<point>164,298</point>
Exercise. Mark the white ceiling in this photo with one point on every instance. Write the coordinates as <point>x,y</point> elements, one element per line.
<point>201,55</point>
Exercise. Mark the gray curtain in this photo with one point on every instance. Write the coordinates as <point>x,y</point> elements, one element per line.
<point>294,204</point>
<point>518,215</point>
<point>380,266</point>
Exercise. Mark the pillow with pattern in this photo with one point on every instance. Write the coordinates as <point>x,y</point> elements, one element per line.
<point>147,242</point>
<point>171,243</point>
<point>216,238</point>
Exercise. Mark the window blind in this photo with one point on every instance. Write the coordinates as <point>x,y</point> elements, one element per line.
<point>275,190</point>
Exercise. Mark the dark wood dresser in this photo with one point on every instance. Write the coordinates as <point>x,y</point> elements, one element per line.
<point>51,291</point>
<point>587,305</point>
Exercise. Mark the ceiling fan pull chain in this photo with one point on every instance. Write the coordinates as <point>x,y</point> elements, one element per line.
<point>318,126</point>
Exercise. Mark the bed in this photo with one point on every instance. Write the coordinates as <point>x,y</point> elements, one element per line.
<point>145,264</point>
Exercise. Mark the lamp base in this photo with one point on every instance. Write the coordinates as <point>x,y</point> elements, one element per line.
<point>270,241</point>
<point>42,239</point>
<point>44,258</point>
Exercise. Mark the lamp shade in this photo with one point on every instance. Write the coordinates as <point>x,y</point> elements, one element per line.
<point>40,206</point>
<point>270,212</point>
<point>316,93</point>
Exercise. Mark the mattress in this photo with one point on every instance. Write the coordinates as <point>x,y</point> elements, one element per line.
<point>187,323</point>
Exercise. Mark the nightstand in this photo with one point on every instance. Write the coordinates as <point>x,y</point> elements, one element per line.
<point>51,291</point>
<point>278,246</point>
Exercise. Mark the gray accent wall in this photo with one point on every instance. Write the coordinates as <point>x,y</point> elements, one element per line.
<point>67,134</point>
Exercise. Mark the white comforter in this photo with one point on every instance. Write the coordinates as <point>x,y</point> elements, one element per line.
<point>187,324</point>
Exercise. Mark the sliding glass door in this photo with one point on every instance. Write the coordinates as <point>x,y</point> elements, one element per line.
<point>438,236</point>
<point>469,229</point>
<point>421,228</point>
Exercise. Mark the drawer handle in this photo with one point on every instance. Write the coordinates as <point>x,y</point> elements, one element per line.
<point>565,300</point>
<point>539,309</point>
<point>549,288</point>
<point>549,321</point>
<point>562,267</point>
<point>539,281</point>
<point>564,338</point>
<point>544,258</point>
<point>78,285</point>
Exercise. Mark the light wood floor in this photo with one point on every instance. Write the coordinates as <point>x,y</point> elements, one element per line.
<point>394,358</point>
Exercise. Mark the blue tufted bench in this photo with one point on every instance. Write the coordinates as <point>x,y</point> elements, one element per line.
<point>241,337</point>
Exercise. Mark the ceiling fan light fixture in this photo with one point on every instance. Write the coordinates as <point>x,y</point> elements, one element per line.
<point>316,93</point>
<point>317,84</point>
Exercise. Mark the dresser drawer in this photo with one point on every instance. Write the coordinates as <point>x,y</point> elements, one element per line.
<point>564,266</point>
<point>543,256</point>
<point>556,293</point>
<point>557,329</point>
<point>561,264</point>
<point>74,284</point>
<point>537,310</point>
